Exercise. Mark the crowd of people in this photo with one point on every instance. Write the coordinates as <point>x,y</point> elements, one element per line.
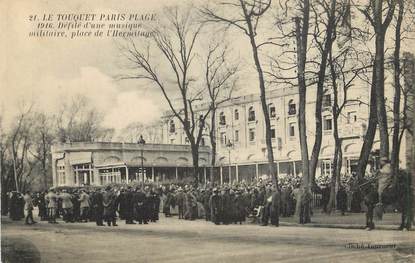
<point>142,204</point>
<point>261,201</point>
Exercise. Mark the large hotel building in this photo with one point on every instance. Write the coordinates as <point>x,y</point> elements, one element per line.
<point>241,148</point>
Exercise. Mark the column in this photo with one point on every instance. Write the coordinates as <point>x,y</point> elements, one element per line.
<point>236,173</point>
<point>278,168</point>
<point>126,175</point>
<point>152,173</point>
<point>230,174</point>
<point>177,174</point>
<point>294,170</point>
<point>256,171</point>
<point>221,176</point>
<point>204,174</point>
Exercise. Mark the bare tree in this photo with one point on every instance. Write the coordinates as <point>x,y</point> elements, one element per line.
<point>220,81</point>
<point>20,141</point>
<point>374,14</point>
<point>78,121</point>
<point>245,15</point>
<point>175,42</point>
<point>43,137</point>
<point>151,132</point>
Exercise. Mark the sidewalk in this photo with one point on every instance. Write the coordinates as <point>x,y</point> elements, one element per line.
<point>390,221</point>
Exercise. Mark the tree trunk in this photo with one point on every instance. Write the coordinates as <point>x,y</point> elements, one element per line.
<point>371,131</point>
<point>268,140</point>
<point>319,96</point>
<point>301,40</point>
<point>397,97</point>
<point>195,157</point>
<point>212,135</point>
<point>380,95</point>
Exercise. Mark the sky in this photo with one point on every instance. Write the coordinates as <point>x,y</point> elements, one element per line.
<point>49,71</point>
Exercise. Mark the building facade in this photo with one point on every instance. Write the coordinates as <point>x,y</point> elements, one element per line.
<point>240,133</point>
<point>98,163</point>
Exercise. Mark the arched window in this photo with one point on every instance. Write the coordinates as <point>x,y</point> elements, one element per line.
<point>291,107</point>
<point>236,114</point>
<point>172,127</point>
<point>271,109</point>
<point>251,114</point>
<point>222,119</point>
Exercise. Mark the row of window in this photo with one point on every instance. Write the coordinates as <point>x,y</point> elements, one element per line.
<point>251,112</point>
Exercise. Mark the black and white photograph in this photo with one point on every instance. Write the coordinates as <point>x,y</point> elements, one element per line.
<point>207,131</point>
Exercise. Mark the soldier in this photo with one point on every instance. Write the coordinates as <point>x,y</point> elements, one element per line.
<point>29,208</point>
<point>97,204</point>
<point>76,207</point>
<point>370,199</point>
<point>128,206</point>
<point>275,206</point>
<point>84,205</point>
<point>140,206</point>
<point>52,199</point>
<point>67,206</point>
<point>206,203</point>
<point>342,199</point>
<point>123,204</point>
<point>42,207</point>
<point>226,206</point>
<point>215,204</point>
<point>267,205</point>
<point>110,206</point>
<point>180,200</point>
<point>240,207</point>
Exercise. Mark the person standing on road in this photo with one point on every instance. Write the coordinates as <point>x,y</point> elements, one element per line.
<point>84,205</point>
<point>342,199</point>
<point>180,200</point>
<point>110,206</point>
<point>97,204</point>
<point>52,199</point>
<point>129,206</point>
<point>215,204</point>
<point>29,208</point>
<point>66,206</point>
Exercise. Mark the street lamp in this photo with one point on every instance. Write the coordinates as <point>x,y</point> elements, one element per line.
<point>229,145</point>
<point>141,142</point>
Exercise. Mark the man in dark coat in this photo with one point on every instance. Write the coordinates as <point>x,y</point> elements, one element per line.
<point>240,207</point>
<point>226,206</point>
<point>128,206</point>
<point>180,201</point>
<point>215,204</point>
<point>267,205</point>
<point>122,204</point>
<point>342,199</point>
<point>370,199</point>
<point>275,206</point>
<point>206,203</point>
<point>109,201</point>
<point>97,204</point>
<point>141,206</point>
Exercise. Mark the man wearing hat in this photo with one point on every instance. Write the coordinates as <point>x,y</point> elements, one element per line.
<point>52,199</point>
<point>84,205</point>
<point>180,202</point>
<point>66,206</point>
<point>226,206</point>
<point>110,206</point>
<point>215,204</point>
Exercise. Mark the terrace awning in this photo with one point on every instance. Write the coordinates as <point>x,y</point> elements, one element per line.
<point>80,157</point>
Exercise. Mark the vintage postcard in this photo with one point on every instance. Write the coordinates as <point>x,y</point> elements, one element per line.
<point>207,130</point>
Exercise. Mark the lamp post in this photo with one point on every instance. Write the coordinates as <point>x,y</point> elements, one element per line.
<point>141,142</point>
<point>229,146</point>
